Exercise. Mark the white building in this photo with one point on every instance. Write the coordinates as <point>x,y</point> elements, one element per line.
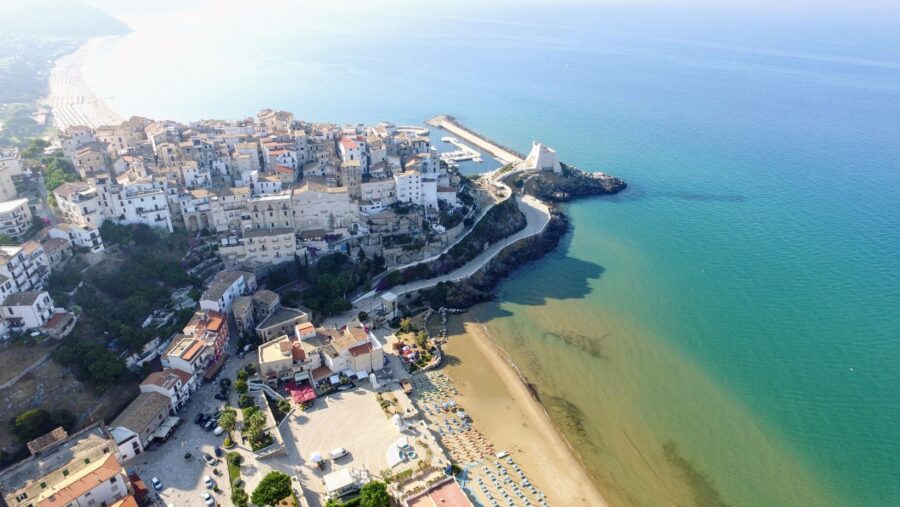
<point>259,247</point>
<point>376,194</point>
<point>140,202</point>
<point>128,442</point>
<point>82,236</point>
<point>15,273</point>
<point>73,138</point>
<point>79,203</point>
<point>353,349</point>
<point>188,354</point>
<point>542,158</point>
<point>195,176</point>
<point>84,470</point>
<point>226,286</point>
<point>10,166</point>
<point>409,186</point>
<point>351,150</point>
<point>27,310</point>
<point>173,383</point>
<point>319,207</point>
<point>15,218</point>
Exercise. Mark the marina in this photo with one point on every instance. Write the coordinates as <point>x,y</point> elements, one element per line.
<point>463,153</point>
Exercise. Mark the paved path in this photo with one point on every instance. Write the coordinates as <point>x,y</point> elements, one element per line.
<point>537,216</point>
<point>507,193</point>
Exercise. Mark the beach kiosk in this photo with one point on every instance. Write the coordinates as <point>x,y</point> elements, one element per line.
<point>340,483</point>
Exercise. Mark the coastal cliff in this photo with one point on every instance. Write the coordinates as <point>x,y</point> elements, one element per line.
<point>479,287</point>
<point>548,186</point>
<point>572,183</point>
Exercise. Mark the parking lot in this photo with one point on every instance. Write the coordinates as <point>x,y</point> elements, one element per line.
<point>182,478</point>
<point>351,419</point>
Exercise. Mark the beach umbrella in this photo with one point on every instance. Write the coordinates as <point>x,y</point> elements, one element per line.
<point>315,457</point>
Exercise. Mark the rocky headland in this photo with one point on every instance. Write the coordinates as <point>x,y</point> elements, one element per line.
<point>550,187</point>
<point>572,183</point>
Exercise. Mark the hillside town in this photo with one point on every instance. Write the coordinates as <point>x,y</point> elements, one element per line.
<point>245,346</point>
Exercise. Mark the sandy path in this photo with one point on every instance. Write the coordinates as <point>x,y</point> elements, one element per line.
<point>503,409</point>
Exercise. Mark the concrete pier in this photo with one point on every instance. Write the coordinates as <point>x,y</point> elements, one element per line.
<point>501,153</point>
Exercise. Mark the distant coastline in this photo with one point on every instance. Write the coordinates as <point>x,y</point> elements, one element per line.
<point>71,100</point>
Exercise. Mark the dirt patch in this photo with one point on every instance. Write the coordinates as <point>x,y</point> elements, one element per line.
<point>15,358</point>
<point>51,386</point>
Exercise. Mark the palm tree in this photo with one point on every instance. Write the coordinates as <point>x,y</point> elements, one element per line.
<point>255,424</point>
<point>227,420</point>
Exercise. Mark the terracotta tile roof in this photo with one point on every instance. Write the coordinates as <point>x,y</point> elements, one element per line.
<point>298,354</point>
<point>359,350</point>
<point>42,442</point>
<point>191,353</point>
<point>141,412</point>
<point>321,372</point>
<point>128,501</point>
<point>160,379</point>
<point>69,493</point>
<point>183,375</point>
<point>448,494</point>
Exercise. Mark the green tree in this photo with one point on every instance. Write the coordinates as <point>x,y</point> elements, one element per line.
<point>362,316</point>
<point>241,385</point>
<point>239,497</point>
<point>250,368</point>
<point>32,424</point>
<point>422,339</point>
<point>374,494</point>
<point>284,406</point>
<point>106,371</point>
<point>227,420</point>
<point>406,325</point>
<point>242,376</point>
<point>274,487</point>
<point>64,418</point>
<point>35,149</point>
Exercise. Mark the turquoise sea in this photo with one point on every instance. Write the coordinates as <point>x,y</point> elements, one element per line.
<point>727,330</point>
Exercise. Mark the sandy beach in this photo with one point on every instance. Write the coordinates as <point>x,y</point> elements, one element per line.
<point>71,99</point>
<point>504,410</point>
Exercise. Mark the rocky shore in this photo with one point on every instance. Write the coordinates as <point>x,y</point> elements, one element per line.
<point>572,183</point>
<point>547,186</point>
<point>479,287</point>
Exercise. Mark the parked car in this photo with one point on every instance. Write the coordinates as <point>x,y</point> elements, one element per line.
<point>209,425</point>
<point>200,419</point>
<point>210,501</point>
<point>338,453</point>
<point>219,452</point>
<point>209,459</point>
<point>208,482</point>
<point>220,397</point>
<point>218,431</point>
<point>345,387</point>
<point>157,485</point>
